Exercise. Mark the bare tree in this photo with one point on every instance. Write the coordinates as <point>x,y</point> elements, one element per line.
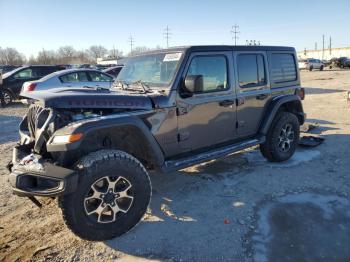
<point>115,53</point>
<point>97,51</point>
<point>66,54</point>
<point>10,56</point>
<point>139,49</point>
<point>46,57</point>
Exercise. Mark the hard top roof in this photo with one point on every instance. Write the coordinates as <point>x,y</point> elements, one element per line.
<point>202,48</point>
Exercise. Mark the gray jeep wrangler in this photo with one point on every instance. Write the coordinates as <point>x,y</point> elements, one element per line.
<point>168,109</point>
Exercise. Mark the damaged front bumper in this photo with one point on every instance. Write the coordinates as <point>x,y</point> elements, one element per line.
<point>33,176</point>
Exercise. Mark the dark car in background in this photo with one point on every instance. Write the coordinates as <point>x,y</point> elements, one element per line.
<point>12,81</point>
<point>341,62</point>
<point>114,71</point>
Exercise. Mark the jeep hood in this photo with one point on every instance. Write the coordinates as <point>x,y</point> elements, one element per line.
<point>90,98</point>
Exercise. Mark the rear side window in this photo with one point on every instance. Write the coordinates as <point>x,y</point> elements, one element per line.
<point>99,77</point>
<point>283,68</point>
<point>74,77</point>
<point>251,70</point>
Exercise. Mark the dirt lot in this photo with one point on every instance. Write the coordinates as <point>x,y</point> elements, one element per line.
<point>240,208</point>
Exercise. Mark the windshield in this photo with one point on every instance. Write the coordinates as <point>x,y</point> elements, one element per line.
<point>11,72</point>
<point>155,70</point>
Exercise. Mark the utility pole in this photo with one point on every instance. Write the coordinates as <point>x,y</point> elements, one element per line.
<point>315,45</point>
<point>167,34</point>
<point>131,42</point>
<point>330,45</point>
<point>322,47</point>
<point>235,33</point>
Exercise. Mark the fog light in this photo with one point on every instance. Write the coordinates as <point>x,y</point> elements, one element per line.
<point>65,139</point>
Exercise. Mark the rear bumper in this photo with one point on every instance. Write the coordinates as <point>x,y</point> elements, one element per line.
<point>39,177</point>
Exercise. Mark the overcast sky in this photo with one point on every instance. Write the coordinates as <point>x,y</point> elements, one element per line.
<point>30,26</point>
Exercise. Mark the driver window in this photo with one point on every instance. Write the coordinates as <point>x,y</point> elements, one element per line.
<point>24,74</point>
<point>214,72</point>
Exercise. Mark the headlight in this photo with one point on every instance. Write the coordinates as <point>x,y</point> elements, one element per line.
<point>65,139</point>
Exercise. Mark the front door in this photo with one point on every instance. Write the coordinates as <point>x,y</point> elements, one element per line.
<point>17,80</point>
<point>208,117</point>
<point>253,91</point>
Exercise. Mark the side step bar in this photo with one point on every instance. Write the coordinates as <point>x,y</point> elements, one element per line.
<point>172,165</point>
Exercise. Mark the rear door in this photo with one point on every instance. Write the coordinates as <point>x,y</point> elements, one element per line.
<point>99,79</point>
<point>253,91</point>
<point>208,117</point>
<point>75,79</point>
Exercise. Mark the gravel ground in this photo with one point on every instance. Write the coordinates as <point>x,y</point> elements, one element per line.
<point>239,208</point>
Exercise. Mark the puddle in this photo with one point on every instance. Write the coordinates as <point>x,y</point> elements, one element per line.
<point>303,227</point>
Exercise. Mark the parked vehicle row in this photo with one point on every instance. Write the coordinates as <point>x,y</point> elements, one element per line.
<point>311,63</point>
<point>36,78</point>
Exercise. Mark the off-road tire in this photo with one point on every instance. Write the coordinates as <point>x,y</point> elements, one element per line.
<point>270,149</point>
<point>97,166</point>
<point>311,68</point>
<point>321,68</point>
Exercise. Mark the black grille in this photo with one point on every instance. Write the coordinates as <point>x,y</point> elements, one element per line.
<point>36,117</point>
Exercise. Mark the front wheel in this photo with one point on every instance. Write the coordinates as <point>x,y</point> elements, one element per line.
<point>113,194</point>
<point>8,97</point>
<point>282,138</point>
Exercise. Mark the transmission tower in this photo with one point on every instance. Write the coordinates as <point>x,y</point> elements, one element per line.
<point>235,33</point>
<point>167,35</point>
<point>131,42</point>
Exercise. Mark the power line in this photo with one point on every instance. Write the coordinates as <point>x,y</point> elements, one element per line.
<point>235,33</point>
<point>167,35</point>
<point>131,42</point>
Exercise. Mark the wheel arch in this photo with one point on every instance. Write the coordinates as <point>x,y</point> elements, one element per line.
<point>129,134</point>
<point>287,103</point>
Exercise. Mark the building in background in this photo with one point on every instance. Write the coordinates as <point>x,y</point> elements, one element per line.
<point>325,54</point>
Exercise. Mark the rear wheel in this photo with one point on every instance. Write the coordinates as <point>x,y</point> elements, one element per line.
<point>310,68</point>
<point>113,194</point>
<point>282,138</point>
<point>321,68</point>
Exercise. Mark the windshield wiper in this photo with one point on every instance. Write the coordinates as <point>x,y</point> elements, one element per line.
<point>144,86</point>
<point>122,83</point>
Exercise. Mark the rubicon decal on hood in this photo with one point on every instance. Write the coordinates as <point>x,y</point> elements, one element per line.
<point>91,100</point>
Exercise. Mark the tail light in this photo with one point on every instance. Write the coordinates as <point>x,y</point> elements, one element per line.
<point>30,87</point>
<point>306,63</point>
<point>301,93</point>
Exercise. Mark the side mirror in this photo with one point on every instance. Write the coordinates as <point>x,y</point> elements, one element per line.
<point>194,83</point>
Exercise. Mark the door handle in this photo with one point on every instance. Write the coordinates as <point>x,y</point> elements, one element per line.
<point>227,103</point>
<point>261,96</point>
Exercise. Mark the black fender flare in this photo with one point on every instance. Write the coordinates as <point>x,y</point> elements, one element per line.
<point>92,126</point>
<point>274,107</point>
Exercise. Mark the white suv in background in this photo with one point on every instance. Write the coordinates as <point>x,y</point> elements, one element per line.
<point>311,64</point>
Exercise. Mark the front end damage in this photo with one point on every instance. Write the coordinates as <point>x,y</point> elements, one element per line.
<point>51,136</point>
<point>34,172</point>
